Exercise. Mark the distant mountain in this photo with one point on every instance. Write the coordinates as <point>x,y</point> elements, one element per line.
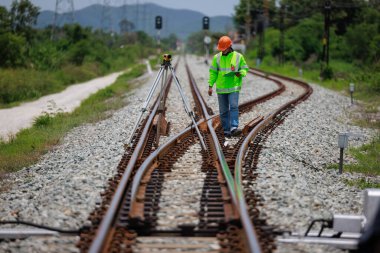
<point>180,22</point>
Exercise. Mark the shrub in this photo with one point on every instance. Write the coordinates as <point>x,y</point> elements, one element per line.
<point>79,52</point>
<point>43,120</point>
<point>327,73</point>
<point>12,50</point>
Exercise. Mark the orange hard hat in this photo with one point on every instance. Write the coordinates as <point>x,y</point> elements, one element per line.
<point>224,43</point>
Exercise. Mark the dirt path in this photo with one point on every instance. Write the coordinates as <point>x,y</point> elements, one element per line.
<point>12,120</point>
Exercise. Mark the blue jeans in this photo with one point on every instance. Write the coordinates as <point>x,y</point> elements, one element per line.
<point>229,110</point>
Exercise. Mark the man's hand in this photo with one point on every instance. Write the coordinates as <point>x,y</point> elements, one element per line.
<point>237,74</point>
<point>210,91</point>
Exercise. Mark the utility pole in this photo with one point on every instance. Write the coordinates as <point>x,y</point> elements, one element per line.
<point>262,24</point>
<point>248,21</point>
<point>282,33</point>
<point>137,14</point>
<point>326,34</point>
<point>106,19</point>
<point>62,7</point>
<point>266,10</point>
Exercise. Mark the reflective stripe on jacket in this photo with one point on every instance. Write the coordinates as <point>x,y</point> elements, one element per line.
<point>223,64</point>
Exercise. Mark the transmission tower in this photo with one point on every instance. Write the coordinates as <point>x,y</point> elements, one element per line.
<point>64,13</point>
<point>125,9</point>
<point>106,20</point>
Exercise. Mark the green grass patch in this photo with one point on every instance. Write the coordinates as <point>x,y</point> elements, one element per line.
<point>30,144</point>
<point>367,81</point>
<point>26,84</point>
<point>368,157</point>
<point>20,85</point>
<point>368,163</point>
<point>362,183</point>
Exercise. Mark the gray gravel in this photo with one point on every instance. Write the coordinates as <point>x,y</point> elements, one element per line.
<point>294,181</point>
<point>63,188</point>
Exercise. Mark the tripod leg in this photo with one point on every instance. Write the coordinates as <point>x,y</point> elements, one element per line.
<point>143,109</point>
<point>153,88</point>
<point>187,108</point>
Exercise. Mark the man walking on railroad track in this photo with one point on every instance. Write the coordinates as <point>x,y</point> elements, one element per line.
<point>227,70</point>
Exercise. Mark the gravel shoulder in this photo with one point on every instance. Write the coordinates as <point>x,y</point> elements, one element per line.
<point>293,179</point>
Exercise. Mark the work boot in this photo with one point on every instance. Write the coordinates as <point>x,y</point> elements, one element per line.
<point>235,132</point>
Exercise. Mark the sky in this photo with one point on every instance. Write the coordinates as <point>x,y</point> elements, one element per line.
<point>207,7</point>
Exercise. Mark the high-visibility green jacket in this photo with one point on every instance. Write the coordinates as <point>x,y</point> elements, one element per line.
<point>223,64</point>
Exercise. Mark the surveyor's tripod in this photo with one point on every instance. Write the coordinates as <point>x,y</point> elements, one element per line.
<point>162,75</point>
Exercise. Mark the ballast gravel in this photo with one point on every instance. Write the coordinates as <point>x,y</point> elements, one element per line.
<point>294,180</point>
<point>63,188</point>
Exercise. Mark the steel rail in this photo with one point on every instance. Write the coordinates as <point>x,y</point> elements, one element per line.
<point>242,205</point>
<point>109,219</point>
<point>220,155</point>
<point>254,246</point>
<point>171,141</point>
<point>253,243</point>
<point>110,216</point>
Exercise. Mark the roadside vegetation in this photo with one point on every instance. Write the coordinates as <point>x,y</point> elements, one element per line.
<point>48,130</point>
<point>37,62</point>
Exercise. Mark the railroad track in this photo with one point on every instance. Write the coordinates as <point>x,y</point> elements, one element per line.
<point>131,217</point>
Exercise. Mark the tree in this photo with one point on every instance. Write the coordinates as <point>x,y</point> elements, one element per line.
<point>5,22</point>
<point>126,26</point>
<point>23,16</point>
<point>144,39</point>
<point>363,37</point>
<point>12,50</point>
<point>170,43</point>
<point>256,10</point>
<point>75,33</point>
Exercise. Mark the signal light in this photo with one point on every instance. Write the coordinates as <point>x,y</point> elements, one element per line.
<point>206,23</point>
<point>158,22</point>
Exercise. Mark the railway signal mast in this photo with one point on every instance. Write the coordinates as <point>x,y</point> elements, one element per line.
<point>207,39</point>
<point>326,34</point>
<point>158,25</point>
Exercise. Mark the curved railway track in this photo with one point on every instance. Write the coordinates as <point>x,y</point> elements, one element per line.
<point>130,206</point>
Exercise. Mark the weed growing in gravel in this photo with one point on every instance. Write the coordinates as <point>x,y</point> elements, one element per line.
<point>368,163</point>
<point>368,157</point>
<point>362,183</point>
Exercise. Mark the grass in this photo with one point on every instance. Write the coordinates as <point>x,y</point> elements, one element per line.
<point>368,157</point>
<point>344,74</point>
<point>362,183</point>
<point>27,84</point>
<point>368,164</point>
<point>30,144</point>
<point>22,85</point>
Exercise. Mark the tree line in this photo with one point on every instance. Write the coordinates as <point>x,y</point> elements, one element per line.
<point>35,62</point>
<point>353,25</point>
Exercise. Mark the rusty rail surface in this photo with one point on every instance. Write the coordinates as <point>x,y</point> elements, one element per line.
<point>267,123</point>
<point>128,196</point>
<point>139,146</point>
